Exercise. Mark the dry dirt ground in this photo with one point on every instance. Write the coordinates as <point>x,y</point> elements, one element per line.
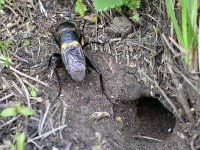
<point>139,117</point>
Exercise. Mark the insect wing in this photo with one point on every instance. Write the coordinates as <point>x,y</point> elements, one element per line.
<point>74,61</point>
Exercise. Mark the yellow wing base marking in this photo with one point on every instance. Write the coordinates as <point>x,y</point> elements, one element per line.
<point>70,44</point>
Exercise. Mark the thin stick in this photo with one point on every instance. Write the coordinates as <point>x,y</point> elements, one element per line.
<point>192,144</point>
<point>181,98</point>
<point>148,138</point>
<point>188,81</point>
<point>6,97</point>
<point>10,9</point>
<point>17,88</point>
<point>31,141</point>
<point>39,48</point>
<point>164,39</point>
<point>27,76</point>
<point>7,84</point>
<point>25,90</point>
<point>8,122</point>
<point>44,118</point>
<point>46,134</point>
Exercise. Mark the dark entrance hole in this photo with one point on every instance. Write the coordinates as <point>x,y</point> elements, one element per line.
<point>145,117</point>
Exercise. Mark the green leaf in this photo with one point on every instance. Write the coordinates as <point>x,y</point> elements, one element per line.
<point>3,58</point>
<point>8,112</point>
<point>132,4</point>
<point>2,3</point>
<point>184,24</point>
<point>31,27</point>
<point>12,147</point>
<point>33,92</point>
<point>136,19</point>
<point>26,42</point>
<point>25,111</point>
<point>103,5</point>
<point>7,61</point>
<point>7,43</point>
<point>80,8</point>
<point>97,147</point>
<point>171,13</point>
<point>20,137</point>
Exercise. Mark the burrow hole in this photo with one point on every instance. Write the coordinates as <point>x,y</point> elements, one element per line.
<point>145,117</point>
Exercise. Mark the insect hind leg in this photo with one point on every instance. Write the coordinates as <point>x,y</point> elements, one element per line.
<point>94,67</point>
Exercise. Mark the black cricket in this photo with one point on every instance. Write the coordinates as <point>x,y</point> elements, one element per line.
<point>72,55</point>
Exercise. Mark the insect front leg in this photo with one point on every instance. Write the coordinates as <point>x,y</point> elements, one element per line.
<point>56,55</point>
<point>56,66</point>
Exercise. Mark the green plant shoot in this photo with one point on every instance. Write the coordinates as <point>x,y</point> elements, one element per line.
<point>33,91</point>
<point>17,109</point>
<point>104,5</point>
<point>20,138</point>
<point>80,8</point>
<point>4,58</point>
<point>186,35</point>
<point>7,44</point>
<point>2,3</point>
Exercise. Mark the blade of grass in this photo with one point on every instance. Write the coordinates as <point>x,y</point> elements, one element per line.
<point>193,12</point>
<point>199,45</point>
<point>3,50</point>
<point>192,27</point>
<point>184,11</point>
<point>171,13</point>
<point>184,23</point>
<point>6,62</point>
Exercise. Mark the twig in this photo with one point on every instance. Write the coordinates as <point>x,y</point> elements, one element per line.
<point>63,116</point>
<point>194,137</point>
<point>6,97</point>
<point>39,48</point>
<point>188,81</point>
<point>39,147</point>
<point>8,122</point>
<point>17,88</point>
<point>181,98</point>
<point>164,39</point>
<point>27,76</point>
<point>42,9</point>
<point>6,6</point>
<point>25,90</point>
<point>140,45</point>
<point>10,34</point>
<point>44,118</point>
<point>46,134</point>
<point>148,138</point>
<point>182,50</point>
<point>6,83</point>
<point>19,58</point>
<point>68,147</point>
